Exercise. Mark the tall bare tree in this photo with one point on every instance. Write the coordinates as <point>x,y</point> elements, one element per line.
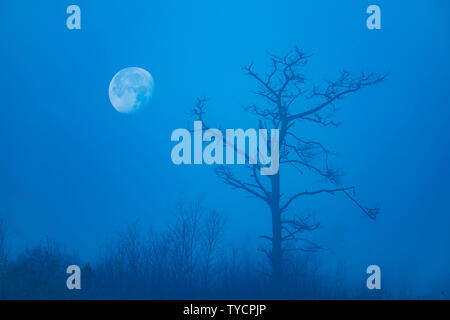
<point>288,101</point>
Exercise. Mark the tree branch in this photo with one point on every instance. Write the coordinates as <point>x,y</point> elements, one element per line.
<point>310,193</point>
<point>336,90</point>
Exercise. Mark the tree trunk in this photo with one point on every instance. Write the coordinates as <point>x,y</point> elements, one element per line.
<point>277,259</point>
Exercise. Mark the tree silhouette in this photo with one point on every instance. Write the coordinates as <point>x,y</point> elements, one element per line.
<point>214,227</point>
<point>288,100</point>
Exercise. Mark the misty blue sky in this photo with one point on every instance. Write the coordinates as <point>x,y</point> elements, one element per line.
<point>73,168</point>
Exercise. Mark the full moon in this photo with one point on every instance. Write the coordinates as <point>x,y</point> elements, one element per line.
<point>130,89</point>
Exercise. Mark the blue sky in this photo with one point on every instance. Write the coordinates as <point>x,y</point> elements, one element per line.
<point>73,168</point>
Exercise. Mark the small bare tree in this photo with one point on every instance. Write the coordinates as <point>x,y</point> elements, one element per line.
<point>288,101</point>
<point>214,227</point>
<point>184,237</point>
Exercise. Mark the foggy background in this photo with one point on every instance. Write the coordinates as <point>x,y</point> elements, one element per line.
<point>77,171</point>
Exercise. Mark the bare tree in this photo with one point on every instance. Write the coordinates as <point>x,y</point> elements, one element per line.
<point>214,227</point>
<point>184,237</point>
<point>288,101</point>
